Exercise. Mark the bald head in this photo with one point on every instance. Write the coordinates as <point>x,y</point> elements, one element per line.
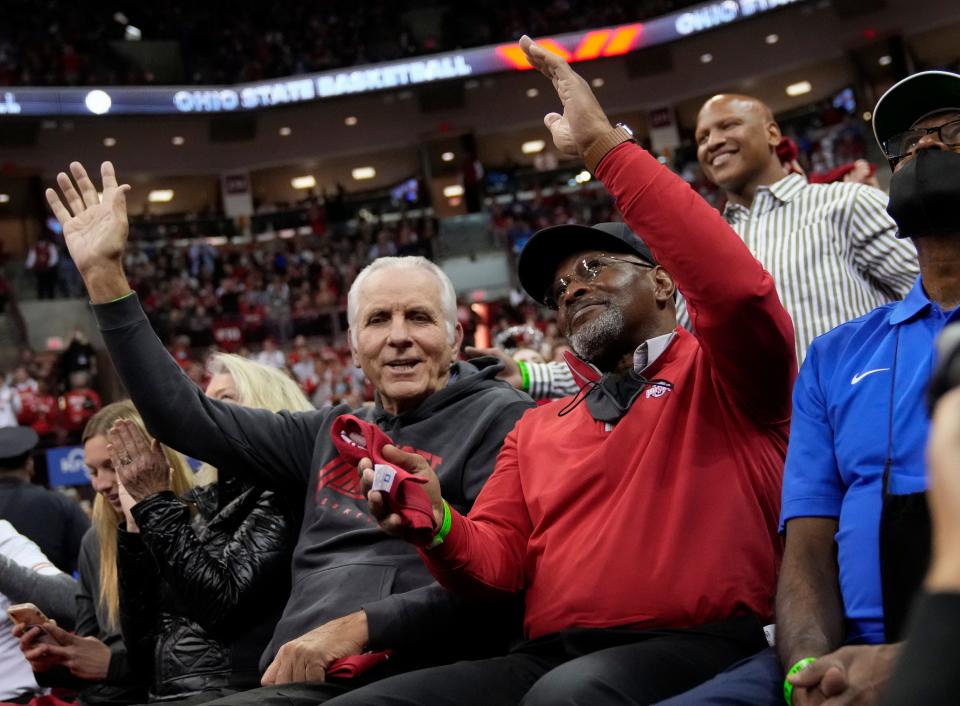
<point>736,145</point>
<point>739,103</point>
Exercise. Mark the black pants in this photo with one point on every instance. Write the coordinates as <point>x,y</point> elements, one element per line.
<point>582,667</point>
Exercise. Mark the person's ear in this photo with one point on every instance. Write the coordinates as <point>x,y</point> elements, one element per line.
<point>773,134</point>
<point>457,342</point>
<point>664,288</point>
<point>353,349</point>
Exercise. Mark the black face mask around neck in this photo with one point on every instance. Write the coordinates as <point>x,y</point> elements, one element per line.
<point>925,194</point>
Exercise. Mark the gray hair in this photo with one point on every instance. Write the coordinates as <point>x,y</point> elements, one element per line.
<point>448,295</point>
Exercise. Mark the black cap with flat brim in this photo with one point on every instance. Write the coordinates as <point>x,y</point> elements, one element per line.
<point>16,443</point>
<point>543,253</point>
<point>913,99</point>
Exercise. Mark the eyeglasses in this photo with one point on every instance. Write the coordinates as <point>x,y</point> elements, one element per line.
<point>586,270</point>
<point>899,146</point>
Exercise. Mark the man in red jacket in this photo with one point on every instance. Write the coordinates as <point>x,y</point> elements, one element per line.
<point>639,518</point>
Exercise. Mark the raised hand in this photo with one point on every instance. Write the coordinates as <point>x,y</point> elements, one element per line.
<point>139,462</point>
<point>95,230</point>
<point>583,120</point>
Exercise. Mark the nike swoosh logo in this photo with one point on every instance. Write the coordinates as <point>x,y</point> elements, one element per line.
<point>860,376</point>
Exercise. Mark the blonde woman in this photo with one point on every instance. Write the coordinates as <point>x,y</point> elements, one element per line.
<point>94,659</point>
<point>198,603</point>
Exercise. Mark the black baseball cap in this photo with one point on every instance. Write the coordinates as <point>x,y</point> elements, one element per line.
<point>913,99</point>
<point>16,443</point>
<point>544,252</point>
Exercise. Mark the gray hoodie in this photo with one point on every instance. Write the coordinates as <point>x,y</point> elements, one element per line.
<point>342,561</point>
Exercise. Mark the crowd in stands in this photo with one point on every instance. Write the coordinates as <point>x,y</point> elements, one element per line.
<point>222,42</point>
<point>53,392</point>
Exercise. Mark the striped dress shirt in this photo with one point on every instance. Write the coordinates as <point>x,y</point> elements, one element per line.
<point>832,250</point>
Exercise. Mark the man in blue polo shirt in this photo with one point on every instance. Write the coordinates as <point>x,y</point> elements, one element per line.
<point>854,508</point>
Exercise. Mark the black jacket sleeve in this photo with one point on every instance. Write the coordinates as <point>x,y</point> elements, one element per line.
<point>75,525</point>
<point>139,583</point>
<point>926,671</point>
<point>271,450</point>
<point>216,588</point>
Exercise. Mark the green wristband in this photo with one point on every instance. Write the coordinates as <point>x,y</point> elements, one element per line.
<point>524,376</point>
<point>787,686</point>
<point>444,526</point>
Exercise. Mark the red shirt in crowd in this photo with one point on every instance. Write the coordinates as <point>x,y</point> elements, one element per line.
<point>40,411</point>
<point>78,406</point>
<point>669,517</point>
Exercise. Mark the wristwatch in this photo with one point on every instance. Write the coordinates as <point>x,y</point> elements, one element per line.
<point>606,142</point>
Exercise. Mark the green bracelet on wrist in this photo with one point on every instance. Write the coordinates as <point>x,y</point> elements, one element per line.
<point>444,526</point>
<point>787,686</point>
<point>524,376</point>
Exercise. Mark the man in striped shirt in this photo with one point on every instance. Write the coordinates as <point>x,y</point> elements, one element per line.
<point>832,249</point>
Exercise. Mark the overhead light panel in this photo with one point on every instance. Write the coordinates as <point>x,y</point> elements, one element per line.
<point>799,88</point>
<point>303,182</point>
<point>447,156</point>
<point>532,93</point>
<point>451,192</point>
<point>109,141</point>
<point>706,58</point>
<point>885,60</point>
<point>177,140</point>
<point>583,177</point>
<point>4,198</point>
<point>533,146</point>
<point>284,131</point>
<point>160,196</point>
<point>361,173</point>
<point>350,120</point>
<point>772,38</point>
<point>597,82</point>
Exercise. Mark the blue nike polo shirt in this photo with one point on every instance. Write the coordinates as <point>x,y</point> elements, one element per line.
<point>840,435</point>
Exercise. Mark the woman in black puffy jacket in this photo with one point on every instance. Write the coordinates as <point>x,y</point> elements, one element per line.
<point>200,595</point>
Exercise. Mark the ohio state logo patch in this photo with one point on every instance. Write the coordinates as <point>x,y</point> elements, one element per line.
<point>657,391</point>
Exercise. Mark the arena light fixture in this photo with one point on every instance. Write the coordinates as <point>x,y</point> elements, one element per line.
<point>350,120</point>
<point>597,82</point>
<point>285,131</point>
<point>177,140</point>
<point>361,173</point>
<point>533,146</point>
<point>447,156</point>
<point>160,196</point>
<point>772,38</point>
<point>706,58</point>
<point>109,141</point>
<point>532,93</point>
<point>885,60</point>
<point>4,198</point>
<point>303,182</point>
<point>583,177</point>
<point>98,102</point>
<point>867,116</point>
<point>452,192</point>
<point>800,88</point>
<point>132,34</point>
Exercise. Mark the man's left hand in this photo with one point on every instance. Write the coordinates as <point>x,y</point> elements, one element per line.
<point>308,657</point>
<point>850,676</point>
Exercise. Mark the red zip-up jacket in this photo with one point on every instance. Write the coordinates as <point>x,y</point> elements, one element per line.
<point>669,519</point>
